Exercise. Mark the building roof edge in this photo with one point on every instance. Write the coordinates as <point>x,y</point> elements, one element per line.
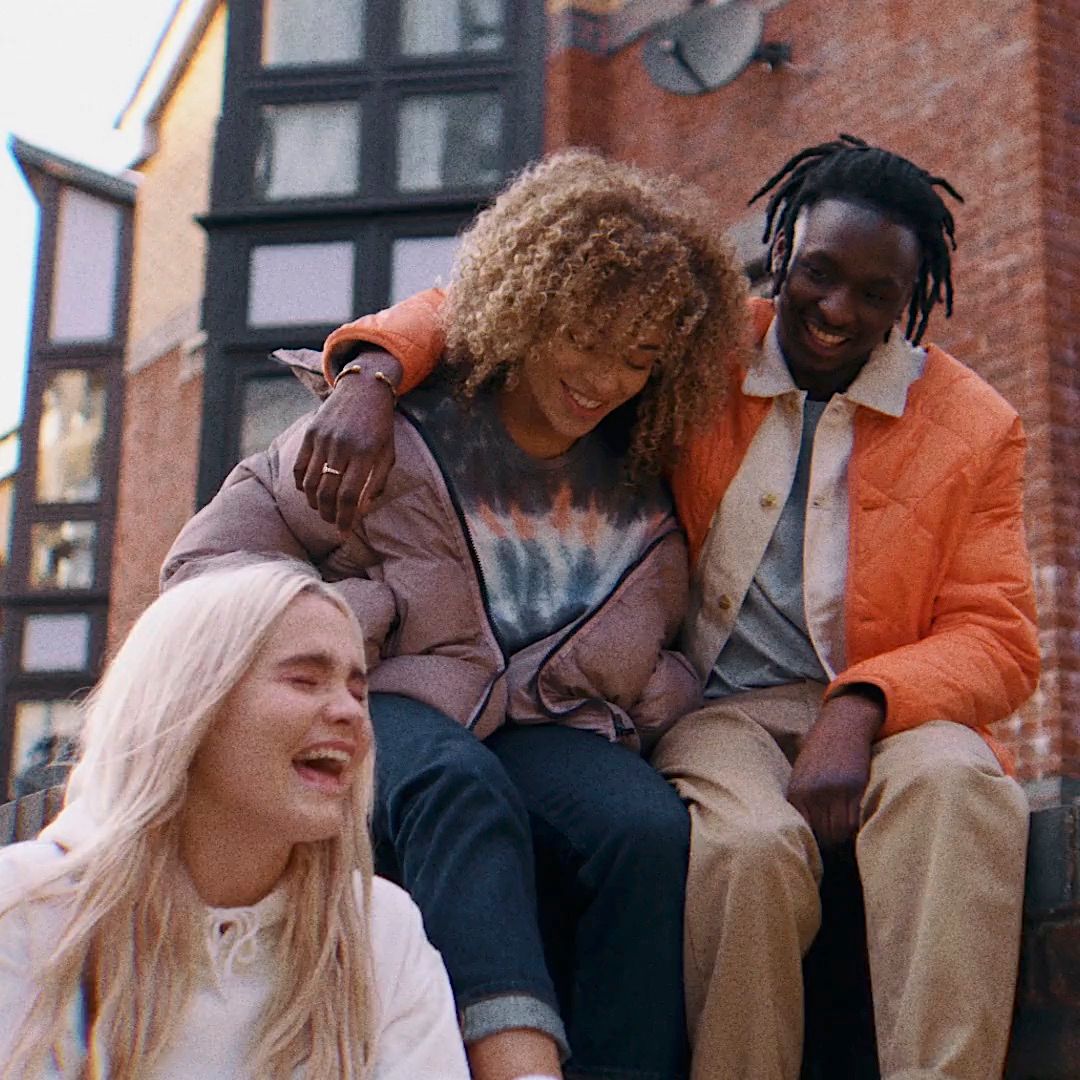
<point>174,48</point>
<point>31,158</point>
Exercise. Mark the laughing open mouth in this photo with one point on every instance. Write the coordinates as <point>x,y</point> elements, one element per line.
<point>824,338</point>
<point>581,401</point>
<point>323,767</point>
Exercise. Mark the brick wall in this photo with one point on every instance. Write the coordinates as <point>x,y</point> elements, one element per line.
<point>1058,83</point>
<point>979,91</point>
<point>162,410</point>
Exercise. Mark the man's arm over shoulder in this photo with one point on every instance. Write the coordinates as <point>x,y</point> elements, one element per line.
<point>411,331</point>
<point>348,450</point>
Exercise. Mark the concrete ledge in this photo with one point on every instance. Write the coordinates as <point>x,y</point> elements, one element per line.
<point>1045,1043</point>
<point>1046,1028</point>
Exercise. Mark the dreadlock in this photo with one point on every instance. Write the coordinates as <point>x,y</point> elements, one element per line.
<point>851,169</point>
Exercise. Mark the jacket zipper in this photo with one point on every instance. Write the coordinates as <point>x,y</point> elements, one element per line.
<point>477,570</point>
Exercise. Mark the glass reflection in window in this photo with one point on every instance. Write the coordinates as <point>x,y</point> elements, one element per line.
<point>308,150</point>
<point>62,555</point>
<point>293,284</point>
<point>270,405</point>
<point>449,141</point>
<point>56,642</point>
<point>70,437</point>
<point>46,733</point>
<point>418,262</point>
<point>86,270</point>
<point>452,26</point>
<point>312,31</point>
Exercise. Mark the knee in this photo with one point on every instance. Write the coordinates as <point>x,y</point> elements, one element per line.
<point>769,849</point>
<point>664,831</point>
<point>468,773</point>
<point>963,787</point>
<point>449,773</point>
<point>653,840</point>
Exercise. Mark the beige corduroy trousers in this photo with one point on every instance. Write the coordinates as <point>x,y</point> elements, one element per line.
<point>941,853</point>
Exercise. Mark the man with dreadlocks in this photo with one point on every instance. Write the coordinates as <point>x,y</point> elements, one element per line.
<point>862,613</point>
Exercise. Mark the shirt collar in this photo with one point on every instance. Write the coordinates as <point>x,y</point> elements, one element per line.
<point>882,385</point>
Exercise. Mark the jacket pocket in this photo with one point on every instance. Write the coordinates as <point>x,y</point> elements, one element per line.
<point>611,654</point>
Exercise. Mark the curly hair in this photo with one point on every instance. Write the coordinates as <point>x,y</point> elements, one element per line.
<point>603,252</point>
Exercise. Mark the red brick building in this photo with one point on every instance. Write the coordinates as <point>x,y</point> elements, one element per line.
<point>983,92</point>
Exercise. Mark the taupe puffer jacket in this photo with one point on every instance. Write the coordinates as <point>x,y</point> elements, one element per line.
<point>409,573</point>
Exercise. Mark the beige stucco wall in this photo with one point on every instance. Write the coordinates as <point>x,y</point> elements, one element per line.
<point>170,248</point>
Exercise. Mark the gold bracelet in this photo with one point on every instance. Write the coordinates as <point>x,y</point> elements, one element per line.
<point>380,376</point>
<point>384,378</point>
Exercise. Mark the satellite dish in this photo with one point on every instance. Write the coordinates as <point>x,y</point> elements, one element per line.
<point>707,47</point>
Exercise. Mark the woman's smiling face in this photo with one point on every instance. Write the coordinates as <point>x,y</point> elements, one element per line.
<point>565,390</point>
<point>849,279</point>
<point>279,762</point>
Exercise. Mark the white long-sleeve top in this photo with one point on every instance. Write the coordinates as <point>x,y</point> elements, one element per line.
<point>417,1036</point>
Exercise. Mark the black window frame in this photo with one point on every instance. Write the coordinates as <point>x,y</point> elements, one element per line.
<point>372,217</point>
<point>48,177</point>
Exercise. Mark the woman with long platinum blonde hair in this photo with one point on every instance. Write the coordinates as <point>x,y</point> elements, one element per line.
<point>204,905</point>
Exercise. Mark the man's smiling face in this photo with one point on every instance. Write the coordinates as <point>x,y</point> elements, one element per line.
<point>850,277</point>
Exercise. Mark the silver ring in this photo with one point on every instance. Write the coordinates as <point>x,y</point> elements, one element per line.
<point>331,470</point>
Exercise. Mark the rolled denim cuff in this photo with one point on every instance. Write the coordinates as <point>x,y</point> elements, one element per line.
<point>508,1012</point>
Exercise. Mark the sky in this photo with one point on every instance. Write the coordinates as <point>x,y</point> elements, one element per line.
<point>67,69</point>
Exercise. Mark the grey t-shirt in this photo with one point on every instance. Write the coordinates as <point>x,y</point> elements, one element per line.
<point>552,536</point>
<point>770,644</point>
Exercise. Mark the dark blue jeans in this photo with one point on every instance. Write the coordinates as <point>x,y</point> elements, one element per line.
<point>550,867</point>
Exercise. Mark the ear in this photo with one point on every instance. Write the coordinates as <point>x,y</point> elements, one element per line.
<point>776,254</point>
<point>901,311</point>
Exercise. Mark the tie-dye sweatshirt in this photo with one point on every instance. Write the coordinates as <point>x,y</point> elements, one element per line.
<point>552,536</point>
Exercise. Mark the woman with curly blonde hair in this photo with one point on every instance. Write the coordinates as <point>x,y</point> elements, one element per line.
<point>603,256</point>
<point>204,906</point>
<point>521,576</point>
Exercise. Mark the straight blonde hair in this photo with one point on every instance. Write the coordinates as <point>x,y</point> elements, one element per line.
<point>132,938</point>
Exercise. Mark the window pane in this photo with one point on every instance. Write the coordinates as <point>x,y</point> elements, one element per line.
<point>308,150</point>
<point>45,735</point>
<point>270,405</point>
<point>449,141</point>
<point>420,262</point>
<point>9,453</point>
<point>56,642</point>
<point>452,26</point>
<point>70,437</point>
<point>9,462</point>
<point>7,516</point>
<point>85,273</point>
<point>312,31</point>
<point>63,555</point>
<point>290,284</point>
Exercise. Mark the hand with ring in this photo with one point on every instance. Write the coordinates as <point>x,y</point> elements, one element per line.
<point>348,448</point>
